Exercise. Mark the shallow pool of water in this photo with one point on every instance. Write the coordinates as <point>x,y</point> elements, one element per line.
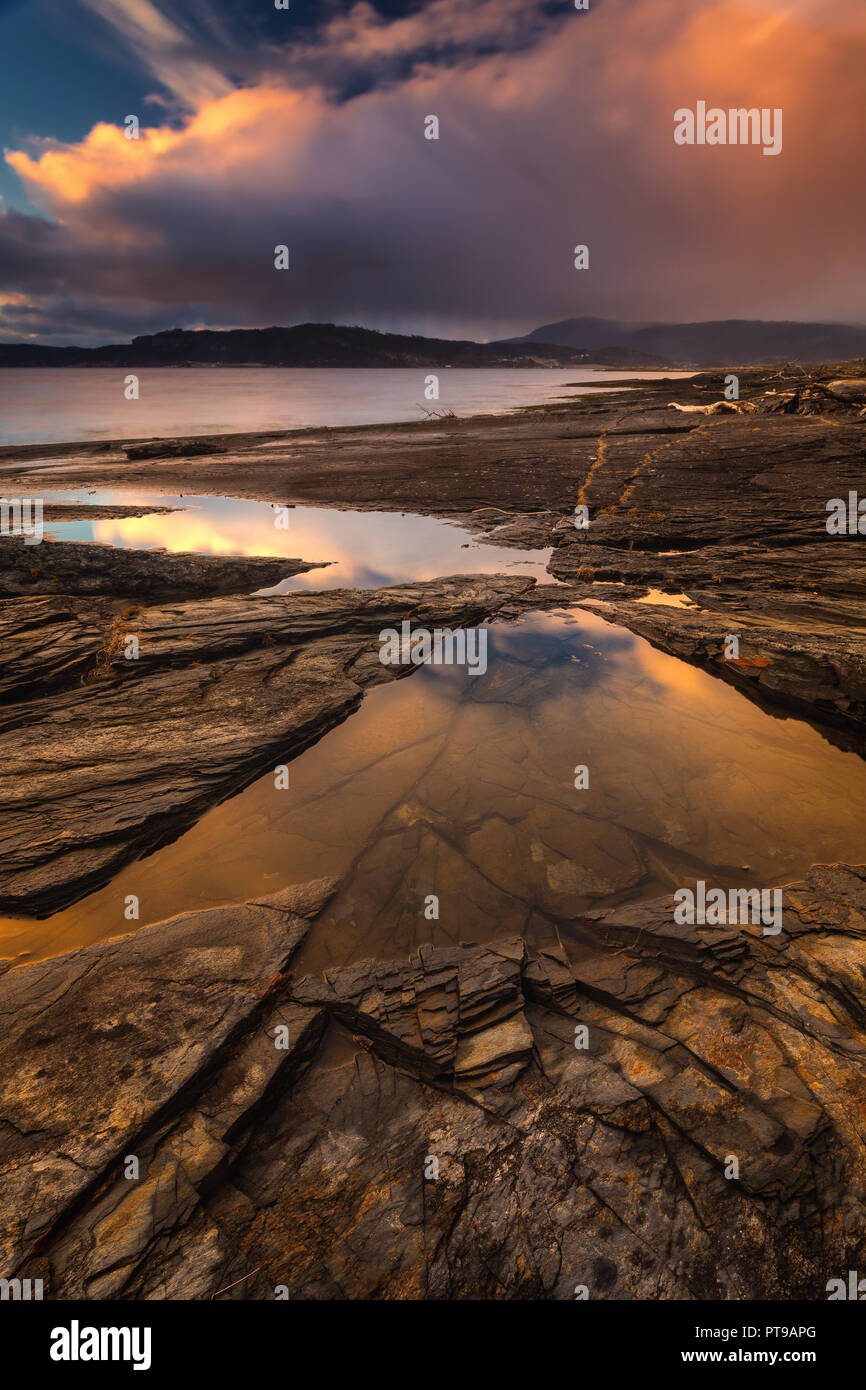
<point>463,787</point>
<point>367,550</point>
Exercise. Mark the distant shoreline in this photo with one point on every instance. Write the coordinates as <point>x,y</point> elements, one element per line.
<point>338,367</point>
<point>95,407</point>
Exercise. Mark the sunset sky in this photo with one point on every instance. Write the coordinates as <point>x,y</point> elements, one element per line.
<point>306,127</point>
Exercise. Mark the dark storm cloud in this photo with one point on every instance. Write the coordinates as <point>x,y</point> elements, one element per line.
<point>556,132</point>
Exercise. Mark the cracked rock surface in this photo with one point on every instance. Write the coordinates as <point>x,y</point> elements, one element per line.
<point>99,1043</point>
<point>582,1104</point>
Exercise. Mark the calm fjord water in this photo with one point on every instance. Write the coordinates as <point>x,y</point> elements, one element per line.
<point>44,405</point>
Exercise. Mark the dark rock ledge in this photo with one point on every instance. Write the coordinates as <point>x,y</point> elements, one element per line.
<point>83,567</point>
<point>557,1165</point>
<point>101,511</point>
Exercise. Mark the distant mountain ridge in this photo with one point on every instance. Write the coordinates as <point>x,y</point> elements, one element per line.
<point>312,345</point>
<point>573,342</point>
<point>713,344</point>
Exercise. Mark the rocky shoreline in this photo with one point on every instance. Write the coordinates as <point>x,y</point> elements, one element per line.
<point>305,1166</point>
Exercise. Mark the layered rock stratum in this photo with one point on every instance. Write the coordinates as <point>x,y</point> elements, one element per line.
<point>476,1121</point>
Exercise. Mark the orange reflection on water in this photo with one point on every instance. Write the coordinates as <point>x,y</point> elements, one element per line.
<point>463,786</point>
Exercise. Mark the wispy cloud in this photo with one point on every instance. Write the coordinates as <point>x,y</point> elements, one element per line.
<point>164,49</point>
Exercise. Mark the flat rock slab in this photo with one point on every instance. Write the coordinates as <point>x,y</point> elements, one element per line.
<point>99,1044</point>
<point>83,567</point>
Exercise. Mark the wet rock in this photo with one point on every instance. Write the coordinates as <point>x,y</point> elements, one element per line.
<point>100,511</point>
<point>524,532</point>
<point>83,567</point>
<point>173,448</point>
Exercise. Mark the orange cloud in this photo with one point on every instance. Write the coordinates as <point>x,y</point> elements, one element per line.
<point>104,159</point>
<point>565,139</point>
<point>223,130</point>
